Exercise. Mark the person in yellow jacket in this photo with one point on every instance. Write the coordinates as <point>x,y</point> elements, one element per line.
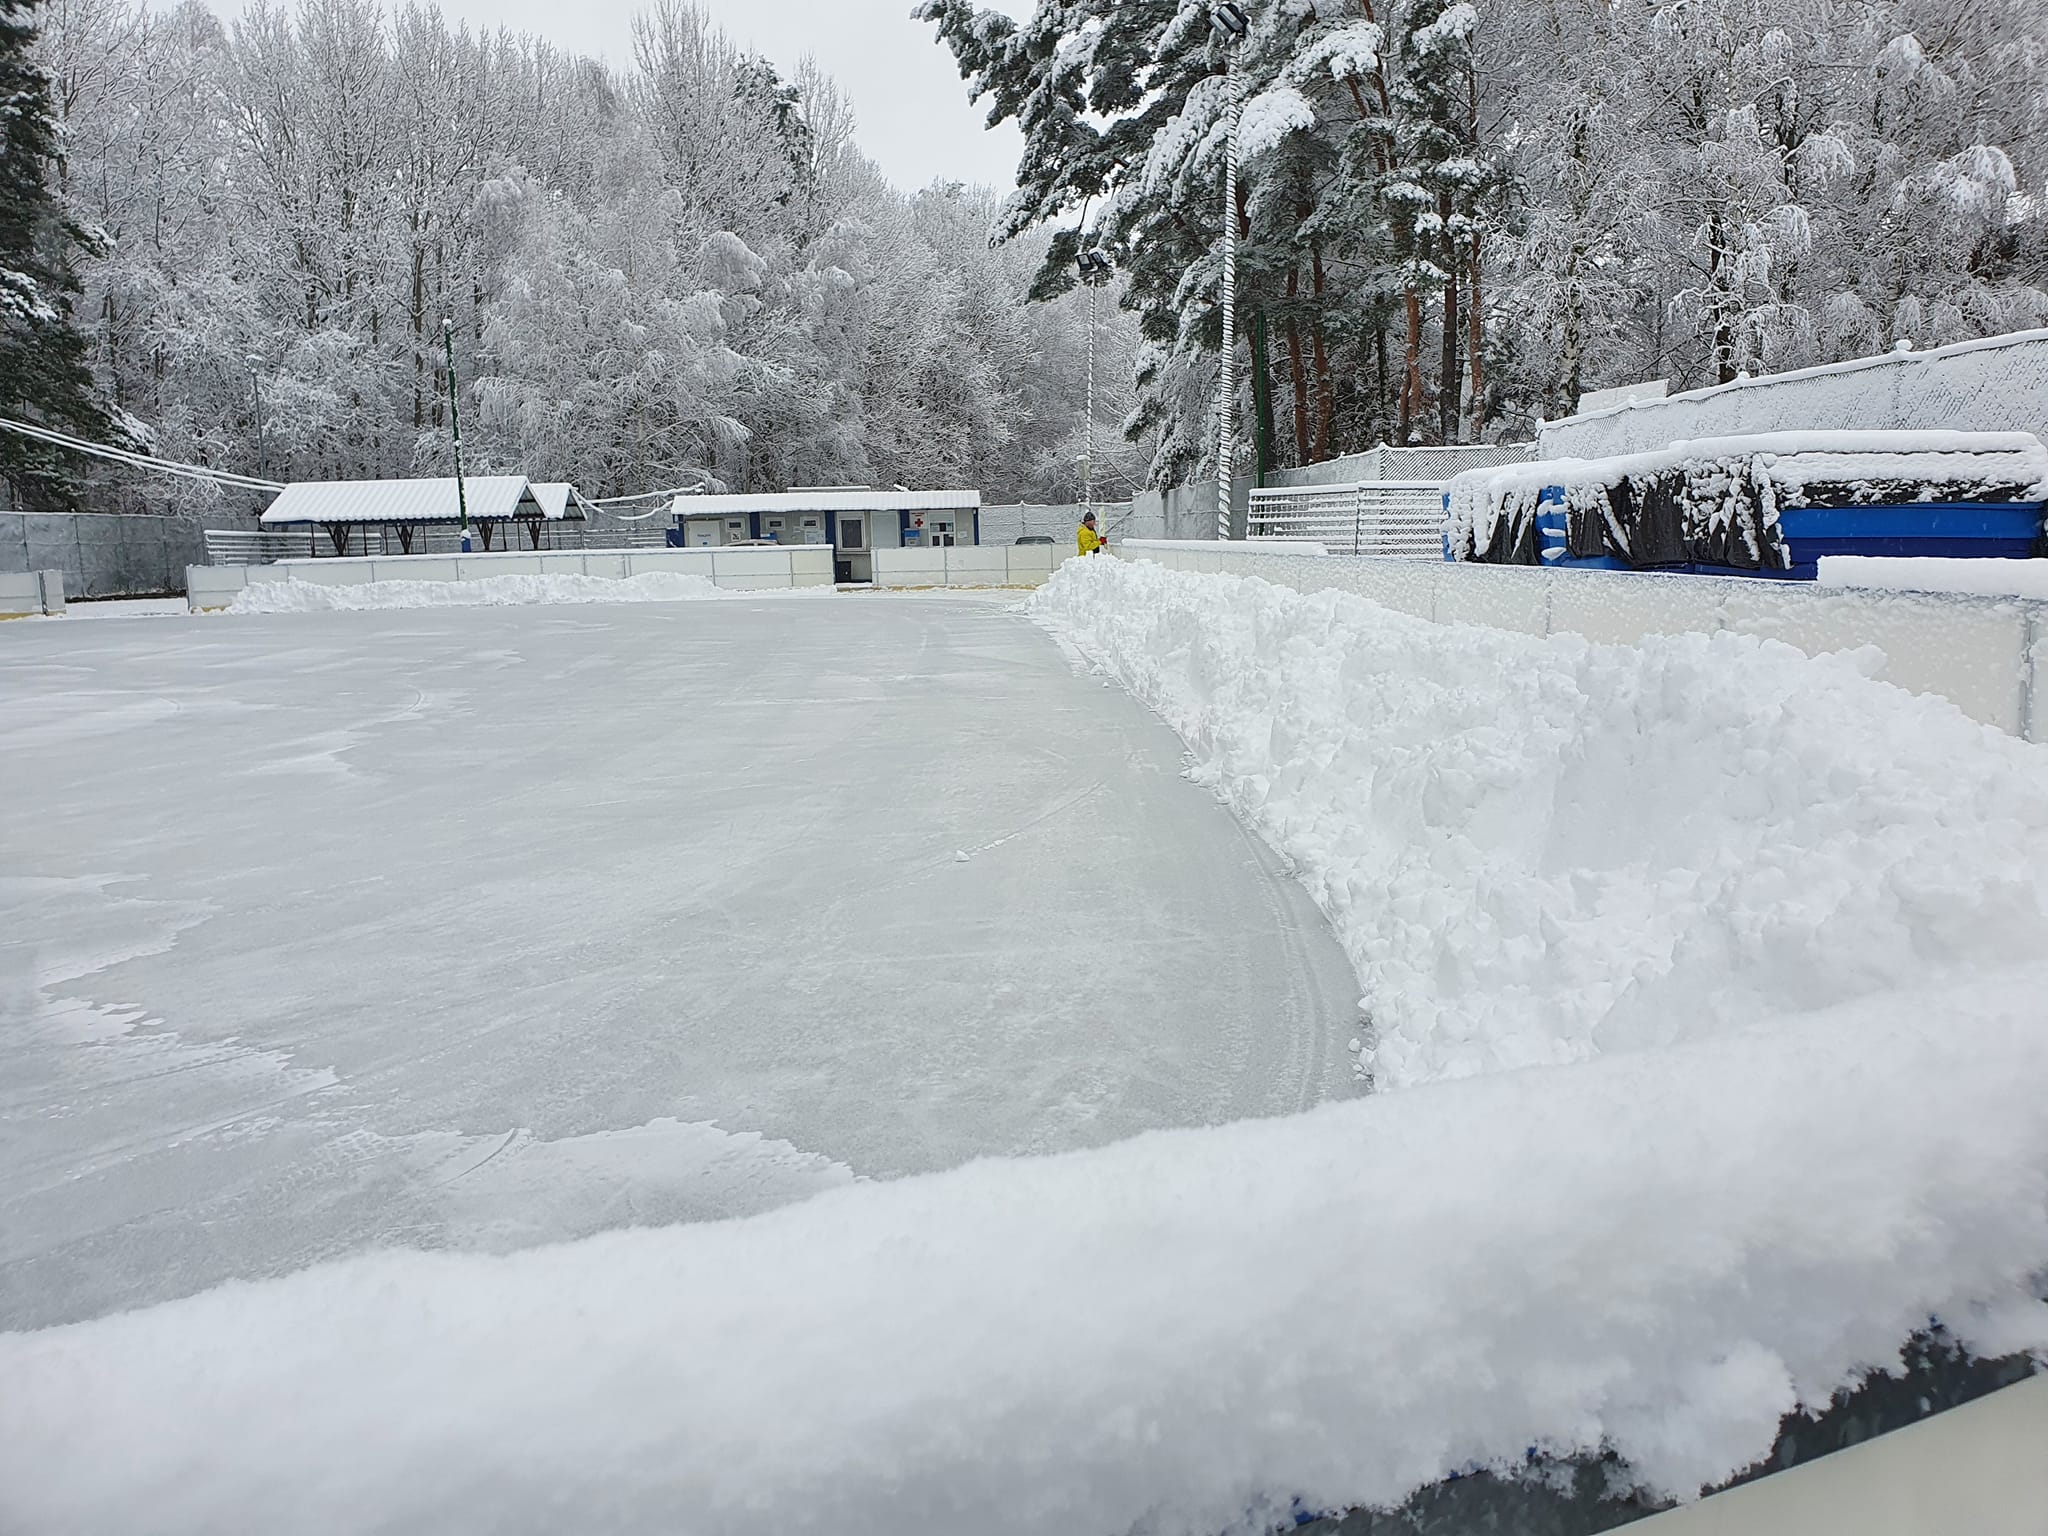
<point>1089,539</point>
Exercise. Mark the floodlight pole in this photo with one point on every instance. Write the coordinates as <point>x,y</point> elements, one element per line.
<point>1230,22</point>
<point>455,429</point>
<point>1088,460</point>
<point>256,397</point>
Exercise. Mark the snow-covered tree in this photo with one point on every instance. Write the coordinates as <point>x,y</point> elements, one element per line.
<point>43,373</point>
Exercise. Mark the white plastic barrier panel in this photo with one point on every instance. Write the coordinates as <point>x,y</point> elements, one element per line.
<point>966,565</point>
<point>213,586</point>
<point>1981,1469</point>
<point>21,593</point>
<point>1989,655</point>
<point>53,590</point>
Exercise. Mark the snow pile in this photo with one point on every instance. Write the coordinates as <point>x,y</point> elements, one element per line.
<point>1538,849</point>
<point>1717,499</point>
<point>485,592</point>
<point>1658,1253</point>
<point>1979,578</point>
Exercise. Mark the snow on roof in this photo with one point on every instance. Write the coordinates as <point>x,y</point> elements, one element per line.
<point>558,500</point>
<point>491,498</point>
<point>834,499</point>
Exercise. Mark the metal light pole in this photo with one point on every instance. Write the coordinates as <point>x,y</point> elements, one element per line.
<point>455,429</point>
<point>1232,23</point>
<point>1095,269</point>
<point>256,395</point>
<point>1088,451</point>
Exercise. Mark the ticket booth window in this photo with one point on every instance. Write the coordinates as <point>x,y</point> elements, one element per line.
<point>939,533</point>
<point>851,533</point>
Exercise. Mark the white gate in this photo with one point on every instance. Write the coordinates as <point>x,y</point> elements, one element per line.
<point>1401,518</point>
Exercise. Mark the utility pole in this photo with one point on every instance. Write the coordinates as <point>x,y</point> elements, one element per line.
<point>455,429</point>
<point>1232,23</point>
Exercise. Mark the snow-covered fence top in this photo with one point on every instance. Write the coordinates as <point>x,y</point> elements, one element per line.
<point>1234,546</point>
<point>1997,384</point>
<point>1717,500</point>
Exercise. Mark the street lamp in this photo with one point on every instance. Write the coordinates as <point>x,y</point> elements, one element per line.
<point>256,395</point>
<point>1231,24</point>
<point>1095,267</point>
<point>455,429</point>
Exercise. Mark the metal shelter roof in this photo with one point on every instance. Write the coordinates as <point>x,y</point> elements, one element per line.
<point>491,498</point>
<point>832,500</point>
<point>558,500</point>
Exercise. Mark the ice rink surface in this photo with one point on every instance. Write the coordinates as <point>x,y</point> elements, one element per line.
<point>485,928</point>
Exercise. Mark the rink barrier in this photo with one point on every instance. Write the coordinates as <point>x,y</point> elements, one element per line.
<point>1977,1468</point>
<point>23,593</point>
<point>750,568</point>
<point>968,565</point>
<point>1988,655</point>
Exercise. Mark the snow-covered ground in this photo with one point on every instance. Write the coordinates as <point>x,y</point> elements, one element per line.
<point>1709,991</point>
<point>489,927</point>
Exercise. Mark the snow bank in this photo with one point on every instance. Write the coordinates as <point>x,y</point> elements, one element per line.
<point>1539,849</point>
<point>1980,578</point>
<point>485,592</point>
<point>1659,1253</point>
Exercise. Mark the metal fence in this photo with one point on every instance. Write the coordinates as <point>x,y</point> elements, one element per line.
<point>102,554</point>
<point>238,547</point>
<point>1402,518</point>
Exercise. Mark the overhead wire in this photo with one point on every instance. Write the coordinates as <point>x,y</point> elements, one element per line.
<point>135,460</point>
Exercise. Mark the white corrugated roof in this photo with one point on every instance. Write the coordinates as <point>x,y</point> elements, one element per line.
<point>491,498</point>
<point>827,501</point>
<point>558,499</point>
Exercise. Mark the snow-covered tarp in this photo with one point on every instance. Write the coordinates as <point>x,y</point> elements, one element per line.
<point>1716,501</point>
<point>1708,986</point>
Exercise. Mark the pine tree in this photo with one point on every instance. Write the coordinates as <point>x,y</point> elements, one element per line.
<point>43,374</point>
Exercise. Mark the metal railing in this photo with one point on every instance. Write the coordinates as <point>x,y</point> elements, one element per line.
<point>1400,518</point>
<point>228,546</point>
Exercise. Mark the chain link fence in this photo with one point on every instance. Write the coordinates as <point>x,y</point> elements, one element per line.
<point>103,554</point>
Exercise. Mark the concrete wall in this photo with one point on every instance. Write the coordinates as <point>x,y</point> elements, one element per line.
<point>1989,655</point>
<point>986,565</point>
<point>1999,384</point>
<point>102,554</point>
<point>740,569</point>
<point>1981,1468</point>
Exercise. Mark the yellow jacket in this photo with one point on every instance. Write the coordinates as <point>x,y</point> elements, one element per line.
<point>1089,540</point>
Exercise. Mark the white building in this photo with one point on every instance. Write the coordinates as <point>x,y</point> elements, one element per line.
<point>853,519</point>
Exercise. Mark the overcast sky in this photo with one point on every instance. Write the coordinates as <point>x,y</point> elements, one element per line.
<point>915,120</point>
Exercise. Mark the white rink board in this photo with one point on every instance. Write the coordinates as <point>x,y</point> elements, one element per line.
<point>1981,1468</point>
<point>1983,653</point>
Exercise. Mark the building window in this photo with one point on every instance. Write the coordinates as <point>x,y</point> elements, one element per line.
<point>850,533</point>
